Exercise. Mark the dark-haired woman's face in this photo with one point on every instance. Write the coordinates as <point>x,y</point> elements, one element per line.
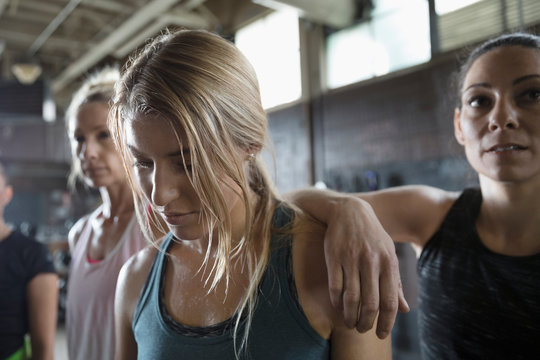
<point>499,121</point>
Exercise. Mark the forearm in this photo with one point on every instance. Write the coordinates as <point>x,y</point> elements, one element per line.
<point>42,351</point>
<point>325,205</point>
<point>363,273</point>
<point>43,310</point>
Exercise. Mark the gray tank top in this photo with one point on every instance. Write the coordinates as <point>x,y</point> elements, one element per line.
<point>279,329</point>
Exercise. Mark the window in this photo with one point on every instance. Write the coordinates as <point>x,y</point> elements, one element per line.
<point>396,37</point>
<point>272,45</point>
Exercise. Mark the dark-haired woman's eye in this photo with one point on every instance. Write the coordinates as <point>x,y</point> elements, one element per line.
<point>531,94</point>
<point>479,101</point>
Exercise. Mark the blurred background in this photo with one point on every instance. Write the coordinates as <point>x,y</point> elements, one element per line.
<point>357,92</point>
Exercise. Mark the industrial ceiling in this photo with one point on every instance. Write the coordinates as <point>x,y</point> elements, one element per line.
<point>68,38</point>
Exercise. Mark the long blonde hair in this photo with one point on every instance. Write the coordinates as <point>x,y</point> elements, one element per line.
<point>206,89</point>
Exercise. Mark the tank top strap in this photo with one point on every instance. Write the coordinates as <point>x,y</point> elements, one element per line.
<point>465,209</point>
<point>282,222</point>
<point>81,247</point>
<point>458,227</point>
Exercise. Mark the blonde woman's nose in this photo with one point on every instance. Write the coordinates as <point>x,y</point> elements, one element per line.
<point>164,188</point>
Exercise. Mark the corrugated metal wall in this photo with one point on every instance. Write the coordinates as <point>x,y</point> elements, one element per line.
<point>485,19</point>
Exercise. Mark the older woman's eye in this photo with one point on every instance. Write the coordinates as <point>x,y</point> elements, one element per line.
<point>104,135</point>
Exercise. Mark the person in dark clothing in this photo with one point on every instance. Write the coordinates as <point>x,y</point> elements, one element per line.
<point>479,250</point>
<point>239,274</point>
<point>29,288</point>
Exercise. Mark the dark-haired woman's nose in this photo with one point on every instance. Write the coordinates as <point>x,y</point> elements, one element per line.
<point>503,116</point>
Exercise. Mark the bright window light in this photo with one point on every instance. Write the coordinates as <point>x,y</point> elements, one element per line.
<point>393,39</point>
<point>272,45</point>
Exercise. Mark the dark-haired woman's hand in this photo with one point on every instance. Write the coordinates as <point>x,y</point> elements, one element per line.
<point>363,272</point>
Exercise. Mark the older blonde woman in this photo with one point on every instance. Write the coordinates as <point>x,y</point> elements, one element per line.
<point>102,241</point>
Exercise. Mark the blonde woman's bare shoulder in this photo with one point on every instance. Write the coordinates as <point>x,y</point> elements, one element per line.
<point>131,280</point>
<point>139,263</point>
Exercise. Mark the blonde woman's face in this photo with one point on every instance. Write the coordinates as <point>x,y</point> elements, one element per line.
<point>158,163</point>
<point>93,148</point>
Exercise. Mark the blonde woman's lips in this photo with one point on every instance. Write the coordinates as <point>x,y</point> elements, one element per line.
<point>178,219</point>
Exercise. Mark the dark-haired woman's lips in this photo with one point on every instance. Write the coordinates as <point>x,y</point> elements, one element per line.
<point>505,148</point>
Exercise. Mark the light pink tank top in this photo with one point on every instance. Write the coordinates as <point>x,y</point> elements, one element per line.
<point>91,289</point>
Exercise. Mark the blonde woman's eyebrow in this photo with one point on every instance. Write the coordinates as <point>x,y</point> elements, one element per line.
<point>183,152</point>
<point>135,152</point>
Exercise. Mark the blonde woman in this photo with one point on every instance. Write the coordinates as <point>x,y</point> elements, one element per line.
<point>240,273</point>
<point>103,240</point>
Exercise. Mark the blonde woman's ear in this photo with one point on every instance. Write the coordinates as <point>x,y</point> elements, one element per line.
<point>252,151</point>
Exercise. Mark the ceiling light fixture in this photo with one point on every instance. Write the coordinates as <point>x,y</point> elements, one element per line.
<point>26,72</point>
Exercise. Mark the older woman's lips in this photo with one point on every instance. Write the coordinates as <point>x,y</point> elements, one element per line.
<point>95,171</point>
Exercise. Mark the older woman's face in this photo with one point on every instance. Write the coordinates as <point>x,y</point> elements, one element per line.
<point>499,122</point>
<point>93,148</point>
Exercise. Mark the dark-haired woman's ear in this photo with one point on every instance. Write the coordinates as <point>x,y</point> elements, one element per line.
<point>458,132</point>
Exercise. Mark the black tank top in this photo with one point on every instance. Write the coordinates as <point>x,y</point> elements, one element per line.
<point>474,303</point>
